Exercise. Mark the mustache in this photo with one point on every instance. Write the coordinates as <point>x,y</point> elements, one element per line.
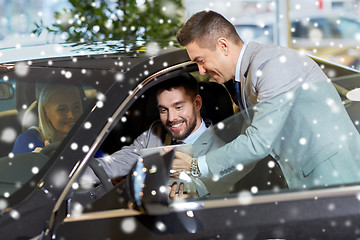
<point>169,123</point>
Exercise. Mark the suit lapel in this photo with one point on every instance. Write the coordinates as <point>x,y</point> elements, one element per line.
<point>201,144</point>
<point>246,84</point>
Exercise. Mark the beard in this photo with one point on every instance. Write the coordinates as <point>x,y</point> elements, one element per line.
<point>190,128</point>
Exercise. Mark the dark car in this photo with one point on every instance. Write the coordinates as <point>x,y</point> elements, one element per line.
<point>42,196</point>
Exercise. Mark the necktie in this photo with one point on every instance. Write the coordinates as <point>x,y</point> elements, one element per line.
<point>243,110</point>
<point>238,94</point>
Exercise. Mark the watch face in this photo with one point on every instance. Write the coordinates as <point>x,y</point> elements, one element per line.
<point>195,172</point>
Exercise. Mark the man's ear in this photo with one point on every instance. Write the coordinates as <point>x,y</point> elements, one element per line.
<point>198,102</point>
<point>223,45</point>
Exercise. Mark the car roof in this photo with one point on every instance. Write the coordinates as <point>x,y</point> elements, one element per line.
<point>58,50</point>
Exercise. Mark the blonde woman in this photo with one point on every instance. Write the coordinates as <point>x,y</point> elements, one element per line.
<point>59,107</point>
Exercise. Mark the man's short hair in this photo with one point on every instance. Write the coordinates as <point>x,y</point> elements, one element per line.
<point>205,28</point>
<point>185,80</point>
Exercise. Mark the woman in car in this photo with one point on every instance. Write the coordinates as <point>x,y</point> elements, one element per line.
<point>59,108</point>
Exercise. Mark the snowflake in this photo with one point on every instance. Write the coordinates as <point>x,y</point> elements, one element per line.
<point>87,125</point>
<point>100,104</point>
<point>215,178</point>
<point>331,207</point>
<point>239,236</point>
<point>8,135</point>
<point>119,77</point>
<point>3,204</point>
<point>160,226</point>
<point>128,225</point>
<point>75,186</point>
<point>35,170</point>
<point>239,167</point>
<point>254,189</point>
<point>68,74</point>
<point>77,209</point>
<point>162,189</point>
<point>259,73</point>
<point>15,214</point>
<point>59,179</point>
<point>302,141</point>
<point>220,125</point>
<point>245,197</point>
<point>74,146</point>
<point>85,148</point>
<point>152,49</point>
<point>21,69</point>
<point>271,164</point>
<point>282,59</point>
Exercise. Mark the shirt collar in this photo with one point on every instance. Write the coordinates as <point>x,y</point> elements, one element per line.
<point>195,135</point>
<point>238,64</point>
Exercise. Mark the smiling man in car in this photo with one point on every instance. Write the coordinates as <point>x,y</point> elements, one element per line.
<point>179,105</point>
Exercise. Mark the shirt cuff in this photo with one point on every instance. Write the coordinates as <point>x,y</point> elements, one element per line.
<point>203,167</point>
<point>200,187</point>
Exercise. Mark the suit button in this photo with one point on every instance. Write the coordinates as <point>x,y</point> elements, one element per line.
<point>277,157</point>
<point>232,168</point>
<point>222,173</point>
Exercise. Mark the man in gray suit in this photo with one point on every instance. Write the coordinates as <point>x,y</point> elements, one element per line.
<point>298,117</point>
<point>179,105</point>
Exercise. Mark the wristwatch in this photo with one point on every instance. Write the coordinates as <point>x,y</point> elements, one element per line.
<point>194,171</point>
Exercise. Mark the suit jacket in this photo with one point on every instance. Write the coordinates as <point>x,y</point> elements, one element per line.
<point>298,119</point>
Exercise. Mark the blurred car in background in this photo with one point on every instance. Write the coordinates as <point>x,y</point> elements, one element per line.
<point>329,35</point>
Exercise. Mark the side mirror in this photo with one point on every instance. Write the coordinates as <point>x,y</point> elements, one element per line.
<point>6,91</point>
<point>150,180</point>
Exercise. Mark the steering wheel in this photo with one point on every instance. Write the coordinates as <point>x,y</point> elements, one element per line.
<point>50,148</point>
<point>99,171</point>
<point>94,164</point>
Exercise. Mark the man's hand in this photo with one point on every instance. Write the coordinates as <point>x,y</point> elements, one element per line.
<point>175,195</point>
<point>181,162</point>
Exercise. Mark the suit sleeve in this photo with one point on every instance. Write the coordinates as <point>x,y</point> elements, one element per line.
<point>121,162</point>
<point>257,141</point>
